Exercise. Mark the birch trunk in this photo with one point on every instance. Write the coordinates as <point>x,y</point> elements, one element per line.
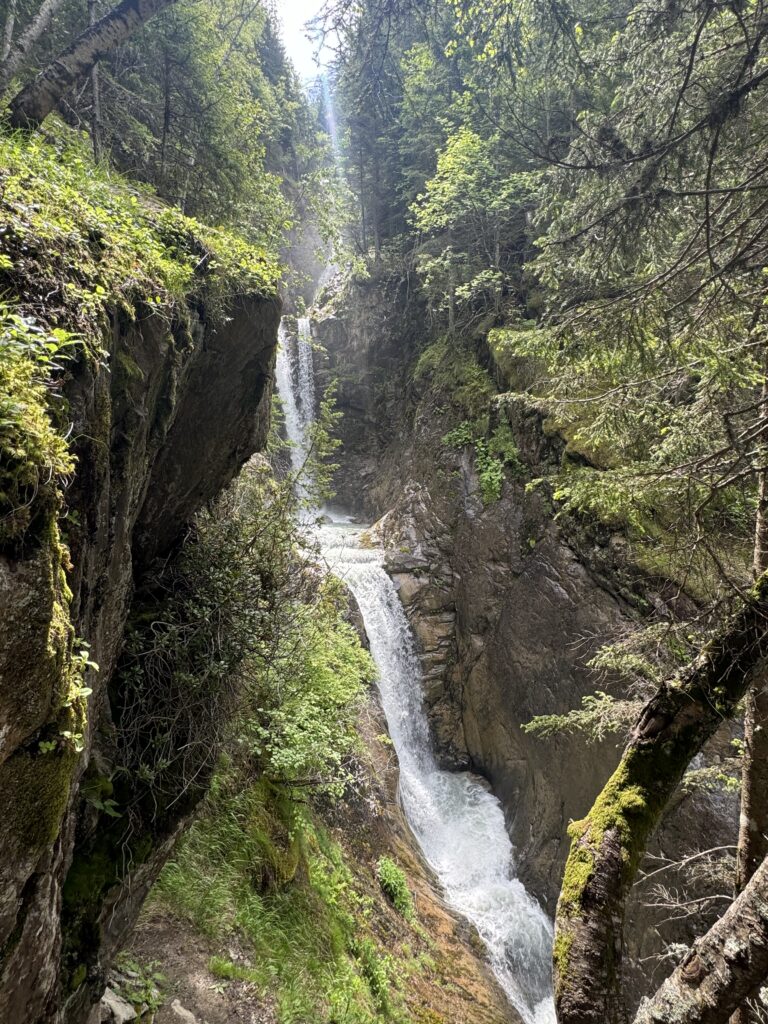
<point>14,59</point>
<point>8,30</point>
<point>723,969</point>
<point>95,93</point>
<point>30,107</point>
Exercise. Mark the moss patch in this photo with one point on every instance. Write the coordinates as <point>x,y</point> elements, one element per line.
<point>63,212</point>
<point>561,953</point>
<point>34,790</point>
<point>455,374</point>
<point>619,808</point>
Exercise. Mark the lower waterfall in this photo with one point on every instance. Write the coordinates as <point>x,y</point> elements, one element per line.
<point>458,824</point>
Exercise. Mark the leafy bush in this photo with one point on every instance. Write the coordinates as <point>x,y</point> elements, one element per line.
<point>493,455</point>
<point>33,454</point>
<point>252,650</point>
<point>455,374</point>
<point>394,885</point>
<point>460,436</point>
<point>140,984</point>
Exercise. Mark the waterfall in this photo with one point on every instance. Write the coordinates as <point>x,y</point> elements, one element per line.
<point>457,822</point>
<point>295,378</point>
<point>306,371</point>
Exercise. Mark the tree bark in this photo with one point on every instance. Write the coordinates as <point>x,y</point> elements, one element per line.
<point>723,969</point>
<point>753,819</point>
<point>166,115</point>
<point>8,29</point>
<point>609,843</point>
<point>753,825</point>
<point>13,61</point>
<point>35,101</point>
<point>95,93</point>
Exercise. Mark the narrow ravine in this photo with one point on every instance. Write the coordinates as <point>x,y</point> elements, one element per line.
<point>458,823</point>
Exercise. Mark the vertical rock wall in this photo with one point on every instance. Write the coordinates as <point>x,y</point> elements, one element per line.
<point>157,432</point>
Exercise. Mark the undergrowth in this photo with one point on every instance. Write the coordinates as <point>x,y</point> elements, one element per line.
<point>80,238</point>
<point>35,455</point>
<point>495,454</point>
<point>394,885</point>
<point>257,866</point>
<point>455,377</point>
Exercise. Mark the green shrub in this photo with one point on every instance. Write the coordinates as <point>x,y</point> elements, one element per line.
<point>226,970</point>
<point>493,455</point>
<point>394,885</point>
<point>140,984</point>
<point>460,436</point>
<point>34,456</point>
<point>374,971</point>
<point>455,376</point>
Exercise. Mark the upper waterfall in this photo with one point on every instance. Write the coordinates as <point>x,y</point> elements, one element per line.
<point>295,378</point>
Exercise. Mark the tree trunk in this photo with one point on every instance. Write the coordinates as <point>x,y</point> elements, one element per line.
<point>8,28</point>
<point>13,61</point>
<point>753,831</point>
<point>723,969</point>
<point>609,843</point>
<point>753,819</point>
<point>362,205</point>
<point>33,104</point>
<point>166,117</point>
<point>95,93</point>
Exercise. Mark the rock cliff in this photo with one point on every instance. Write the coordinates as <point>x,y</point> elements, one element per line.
<point>160,423</point>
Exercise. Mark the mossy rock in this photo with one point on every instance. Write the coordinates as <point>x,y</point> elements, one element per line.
<point>38,676</point>
<point>273,824</point>
<point>34,792</point>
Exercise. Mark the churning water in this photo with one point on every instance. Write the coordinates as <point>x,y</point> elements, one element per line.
<point>458,824</point>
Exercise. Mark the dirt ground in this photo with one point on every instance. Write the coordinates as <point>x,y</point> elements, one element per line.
<point>182,956</point>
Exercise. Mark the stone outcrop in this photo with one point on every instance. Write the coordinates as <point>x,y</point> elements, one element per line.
<point>159,427</point>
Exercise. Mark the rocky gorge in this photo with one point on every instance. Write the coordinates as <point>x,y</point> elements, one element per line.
<point>164,397</point>
<point>509,601</point>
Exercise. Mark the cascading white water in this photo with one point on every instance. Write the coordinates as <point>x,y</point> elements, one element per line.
<point>457,822</point>
<point>306,371</point>
<point>295,377</point>
<point>459,825</point>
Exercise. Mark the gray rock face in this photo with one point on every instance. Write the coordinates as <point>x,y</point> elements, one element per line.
<point>184,1015</point>
<point>367,354</point>
<point>506,627</point>
<point>158,432</point>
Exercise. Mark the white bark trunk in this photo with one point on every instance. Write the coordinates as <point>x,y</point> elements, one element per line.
<point>30,107</point>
